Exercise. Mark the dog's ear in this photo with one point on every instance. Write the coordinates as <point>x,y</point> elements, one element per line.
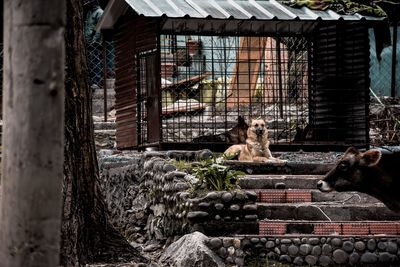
<point>242,121</point>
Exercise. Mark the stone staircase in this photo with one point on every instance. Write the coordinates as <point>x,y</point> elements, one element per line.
<point>300,225</point>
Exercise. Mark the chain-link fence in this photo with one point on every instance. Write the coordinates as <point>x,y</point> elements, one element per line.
<point>97,54</point>
<point>383,82</point>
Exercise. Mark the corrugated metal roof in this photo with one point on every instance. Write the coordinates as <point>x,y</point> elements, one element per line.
<point>234,9</point>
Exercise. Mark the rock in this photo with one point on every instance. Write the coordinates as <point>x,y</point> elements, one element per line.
<point>204,205</point>
<point>191,250</point>
<point>305,249</point>
<point>270,244</point>
<point>203,154</point>
<point>313,241</point>
<point>222,252</point>
<point>348,246</point>
<point>324,260</point>
<point>385,257</point>
<point>231,250</point>
<point>227,242</point>
<point>263,240</point>
<point>168,167</point>
<point>219,206</point>
<point>254,240</point>
<point>234,207</point>
<point>339,256</point>
<point>323,240</point>
<point>326,249</point>
<point>272,255</point>
<point>236,243</point>
<point>293,250</point>
<point>296,241</point>
<point>316,251</point>
<point>240,195</point>
<point>251,195</point>
<point>354,258</point>
<point>284,248</point>
<point>213,195</point>
<point>239,262</point>
<point>304,240</point>
<point>392,247</point>
<point>285,259</point>
<point>251,217</point>
<point>359,245</point>
<point>226,197</point>
<point>298,261</point>
<point>369,258</point>
<point>214,243</point>
<point>286,241</point>
<point>250,207</point>
<point>311,260</point>
<point>337,242</point>
<point>151,247</point>
<point>382,246</point>
<point>371,245</point>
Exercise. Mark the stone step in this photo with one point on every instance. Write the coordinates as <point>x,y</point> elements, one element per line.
<point>271,181</point>
<point>321,228</point>
<point>102,125</point>
<point>320,211</point>
<point>304,195</point>
<point>299,168</point>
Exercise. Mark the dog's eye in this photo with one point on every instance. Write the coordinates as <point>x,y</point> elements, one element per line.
<point>262,125</point>
<point>256,125</point>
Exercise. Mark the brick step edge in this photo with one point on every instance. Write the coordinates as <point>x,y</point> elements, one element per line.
<point>330,228</point>
<point>283,196</point>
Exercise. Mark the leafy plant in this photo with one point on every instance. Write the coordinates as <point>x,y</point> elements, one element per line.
<point>215,176</point>
<point>182,165</point>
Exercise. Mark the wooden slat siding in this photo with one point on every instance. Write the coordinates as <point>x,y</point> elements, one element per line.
<point>133,35</point>
<point>340,81</point>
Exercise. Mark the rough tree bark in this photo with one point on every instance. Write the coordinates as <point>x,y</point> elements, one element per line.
<point>87,236</point>
<point>33,133</point>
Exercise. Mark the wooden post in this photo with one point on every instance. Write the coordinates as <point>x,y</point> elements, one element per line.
<point>105,78</point>
<point>33,133</point>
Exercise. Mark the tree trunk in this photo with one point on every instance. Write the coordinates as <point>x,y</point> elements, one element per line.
<point>87,236</point>
<point>33,133</point>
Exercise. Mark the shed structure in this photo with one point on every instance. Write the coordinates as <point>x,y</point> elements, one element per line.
<point>188,71</point>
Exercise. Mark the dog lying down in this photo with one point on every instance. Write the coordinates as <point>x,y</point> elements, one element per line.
<point>257,145</point>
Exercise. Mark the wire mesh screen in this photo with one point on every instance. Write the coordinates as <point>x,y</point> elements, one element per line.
<point>381,68</point>
<point>211,86</point>
<point>96,54</point>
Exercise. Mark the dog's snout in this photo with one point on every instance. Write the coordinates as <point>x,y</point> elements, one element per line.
<point>320,184</point>
<point>259,131</point>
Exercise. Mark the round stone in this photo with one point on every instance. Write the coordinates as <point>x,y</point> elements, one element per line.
<point>204,205</point>
<point>227,197</point>
<point>348,246</point>
<point>385,257</point>
<point>251,195</point>
<point>311,260</point>
<point>272,255</point>
<point>324,260</point>
<point>197,215</point>
<point>250,207</point>
<point>240,195</point>
<point>392,247</point>
<point>230,259</point>
<point>313,241</point>
<point>234,207</point>
<point>285,259</point>
<point>305,249</point>
<point>371,244</point>
<point>222,252</point>
<point>263,240</point>
<point>277,241</point>
<point>231,250</point>
<point>354,258</point>
<point>304,240</point>
<point>323,240</point>
<point>293,250</point>
<point>326,249</point>
<point>337,242</point>
<point>359,245</point>
<point>217,217</point>
<point>227,242</point>
<point>212,195</point>
<point>316,251</point>
<point>369,258</point>
<point>239,261</point>
<point>215,243</point>
<point>284,248</point>
<point>270,244</point>
<point>219,206</point>
<point>298,261</point>
<point>296,241</point>
<point>236,243</point>
<point>251,217</point>
<point>382,246</point>
<point>340,256</point>
<point>169,167</point>
<point>254,240</point>
<point>239,253</point>
<point>286,241</point>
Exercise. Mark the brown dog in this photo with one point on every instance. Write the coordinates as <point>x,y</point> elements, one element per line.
<point>256,147</point>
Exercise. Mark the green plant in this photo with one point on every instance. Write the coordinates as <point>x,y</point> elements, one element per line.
<point>182,165</point>
<point>215,176</point>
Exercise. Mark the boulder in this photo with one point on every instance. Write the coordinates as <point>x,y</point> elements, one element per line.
<point>191,250</point>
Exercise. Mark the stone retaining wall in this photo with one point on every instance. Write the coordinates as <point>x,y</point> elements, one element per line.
<point>149,199</point>
<point>319,251</point>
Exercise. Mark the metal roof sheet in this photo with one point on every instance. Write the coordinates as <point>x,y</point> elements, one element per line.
<point>233,9</point>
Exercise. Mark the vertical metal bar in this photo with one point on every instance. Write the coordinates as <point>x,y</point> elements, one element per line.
<point>394,57</point>
<point>105,78</point>
<point>278,47</point>
<point>139,101</point>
